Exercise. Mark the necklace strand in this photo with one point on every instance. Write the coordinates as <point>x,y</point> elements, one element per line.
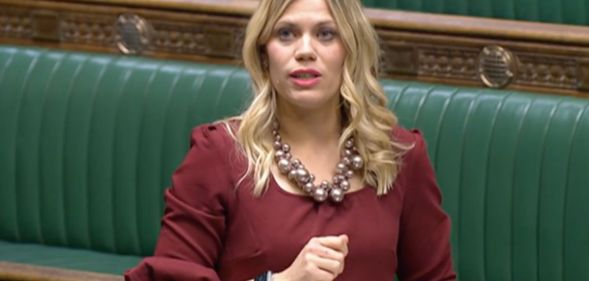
<point>297,173</point>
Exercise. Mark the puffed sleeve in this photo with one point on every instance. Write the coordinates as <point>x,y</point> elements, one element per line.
<point>424,251</point>
<point>190,240</point>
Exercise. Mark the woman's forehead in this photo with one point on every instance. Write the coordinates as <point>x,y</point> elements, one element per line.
<point>316,11</point>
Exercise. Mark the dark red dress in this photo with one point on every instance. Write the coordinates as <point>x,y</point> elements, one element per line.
<point>215,230</point>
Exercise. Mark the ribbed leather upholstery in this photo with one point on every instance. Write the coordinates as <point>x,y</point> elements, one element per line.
<point>514,170</point>
<point>88,142</point>
<point>554,11</point>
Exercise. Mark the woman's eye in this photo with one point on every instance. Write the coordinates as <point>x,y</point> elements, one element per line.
<point>326,34</point>
<point>285,34</point>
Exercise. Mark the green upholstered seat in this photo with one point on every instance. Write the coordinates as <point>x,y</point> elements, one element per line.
<point>552,11</point>
<point>89,141</point>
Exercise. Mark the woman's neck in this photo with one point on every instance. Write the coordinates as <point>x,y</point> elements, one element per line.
<point>318,127</point>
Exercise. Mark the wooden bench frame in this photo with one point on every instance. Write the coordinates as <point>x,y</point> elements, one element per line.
<point>22,272</point>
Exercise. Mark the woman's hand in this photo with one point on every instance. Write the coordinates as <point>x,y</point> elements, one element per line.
<point>322,259</point>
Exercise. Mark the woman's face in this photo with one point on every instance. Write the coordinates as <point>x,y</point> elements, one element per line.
<point>306,56</point>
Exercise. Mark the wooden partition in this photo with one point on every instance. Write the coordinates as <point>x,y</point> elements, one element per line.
<point>22,272</point>
<point>456,50</point>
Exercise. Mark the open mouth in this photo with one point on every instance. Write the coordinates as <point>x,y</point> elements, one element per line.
<point>304,75</point>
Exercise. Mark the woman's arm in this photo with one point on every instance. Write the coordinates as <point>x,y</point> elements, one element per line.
<point>424,251</point>
<point>190,240</point>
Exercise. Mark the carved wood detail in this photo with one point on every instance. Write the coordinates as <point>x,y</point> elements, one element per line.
<point>217,35</point>
<point>16,22</point>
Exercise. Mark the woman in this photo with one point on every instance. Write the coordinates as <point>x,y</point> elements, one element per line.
<point>359,202</point>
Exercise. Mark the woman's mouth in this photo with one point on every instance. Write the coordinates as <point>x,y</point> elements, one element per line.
<point>305,78</point>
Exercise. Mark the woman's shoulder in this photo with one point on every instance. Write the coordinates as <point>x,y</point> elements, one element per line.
<point>405,136</point>
<point>217,134</point>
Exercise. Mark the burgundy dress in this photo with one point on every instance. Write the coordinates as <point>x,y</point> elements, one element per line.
<point>215,230</point>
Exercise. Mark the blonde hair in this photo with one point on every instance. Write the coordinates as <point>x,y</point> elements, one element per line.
<point>364,104</point>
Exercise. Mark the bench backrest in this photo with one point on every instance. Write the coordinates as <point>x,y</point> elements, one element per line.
<point>88,142</point>
<point>551,11</point>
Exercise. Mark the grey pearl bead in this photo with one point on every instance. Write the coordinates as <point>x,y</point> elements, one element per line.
<point>347,161</point>
<point>277,138</point>
<point>311,178</point>
<point>277,145</point>
<point>308,187</point>
<point>340,171</point>
<point>286,147</point>
<point>336,194</point>
<point>349,173</point>
<point>349,143</point>
<point>347,153</point>
<point>302,175</point>
<point>292,174</point>
<point>287,156</point>
<point>344,185</point>
<point>279,154</point>
<point>357,162</point>
<point>336,179</point>
<point>295,162</point>
<point>340,166</point>
<point>320,194</point>
<point>284,166</point>
<point>324,184</point>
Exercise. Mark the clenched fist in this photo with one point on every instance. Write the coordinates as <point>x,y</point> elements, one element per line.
<point>321,259</point>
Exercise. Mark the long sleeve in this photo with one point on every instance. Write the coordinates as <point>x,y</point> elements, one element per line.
<point>190,240</point>
<point>424,251</point>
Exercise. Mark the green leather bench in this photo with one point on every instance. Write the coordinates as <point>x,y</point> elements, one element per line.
<point>574,12</point>
<point>88,142</point>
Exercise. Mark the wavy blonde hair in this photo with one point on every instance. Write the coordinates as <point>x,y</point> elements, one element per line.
<point>364,104</point>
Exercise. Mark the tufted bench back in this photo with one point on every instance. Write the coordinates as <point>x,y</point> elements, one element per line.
<point>549,11</point>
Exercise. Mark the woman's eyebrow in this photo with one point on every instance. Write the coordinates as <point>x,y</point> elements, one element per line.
<point>284,23</point>
<point>323,21</point>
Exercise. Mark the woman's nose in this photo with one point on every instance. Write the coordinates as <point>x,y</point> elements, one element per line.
<point>305,49</point>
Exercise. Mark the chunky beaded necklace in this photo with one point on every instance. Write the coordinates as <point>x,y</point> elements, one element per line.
<point>297,173</point>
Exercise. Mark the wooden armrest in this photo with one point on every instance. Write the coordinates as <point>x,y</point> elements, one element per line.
<point>24,272</point>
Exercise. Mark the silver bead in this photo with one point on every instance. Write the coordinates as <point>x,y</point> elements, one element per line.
<point>341,171</point>
<point>349,174</point>
<point>302,175</point>
<point>277,145</point>
<point>336,194</point>
<point>295,163</point>
<point>344,185</point>
<point>349,143</point>
<point>311,178</point>
<point>308,187</point>
<point>279,154</point>
<point>324,184</point>
<point>357,162</point>
<point>286,147</point>
<point>335,179</point>
<point>340,167</point>
<point>320,194</point>
<point>292,174</point>
<point>347,153</point>
<point>284,166</point>
<point>347,161</point>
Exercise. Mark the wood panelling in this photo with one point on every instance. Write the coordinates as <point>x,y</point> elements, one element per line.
<point>416,46</point>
